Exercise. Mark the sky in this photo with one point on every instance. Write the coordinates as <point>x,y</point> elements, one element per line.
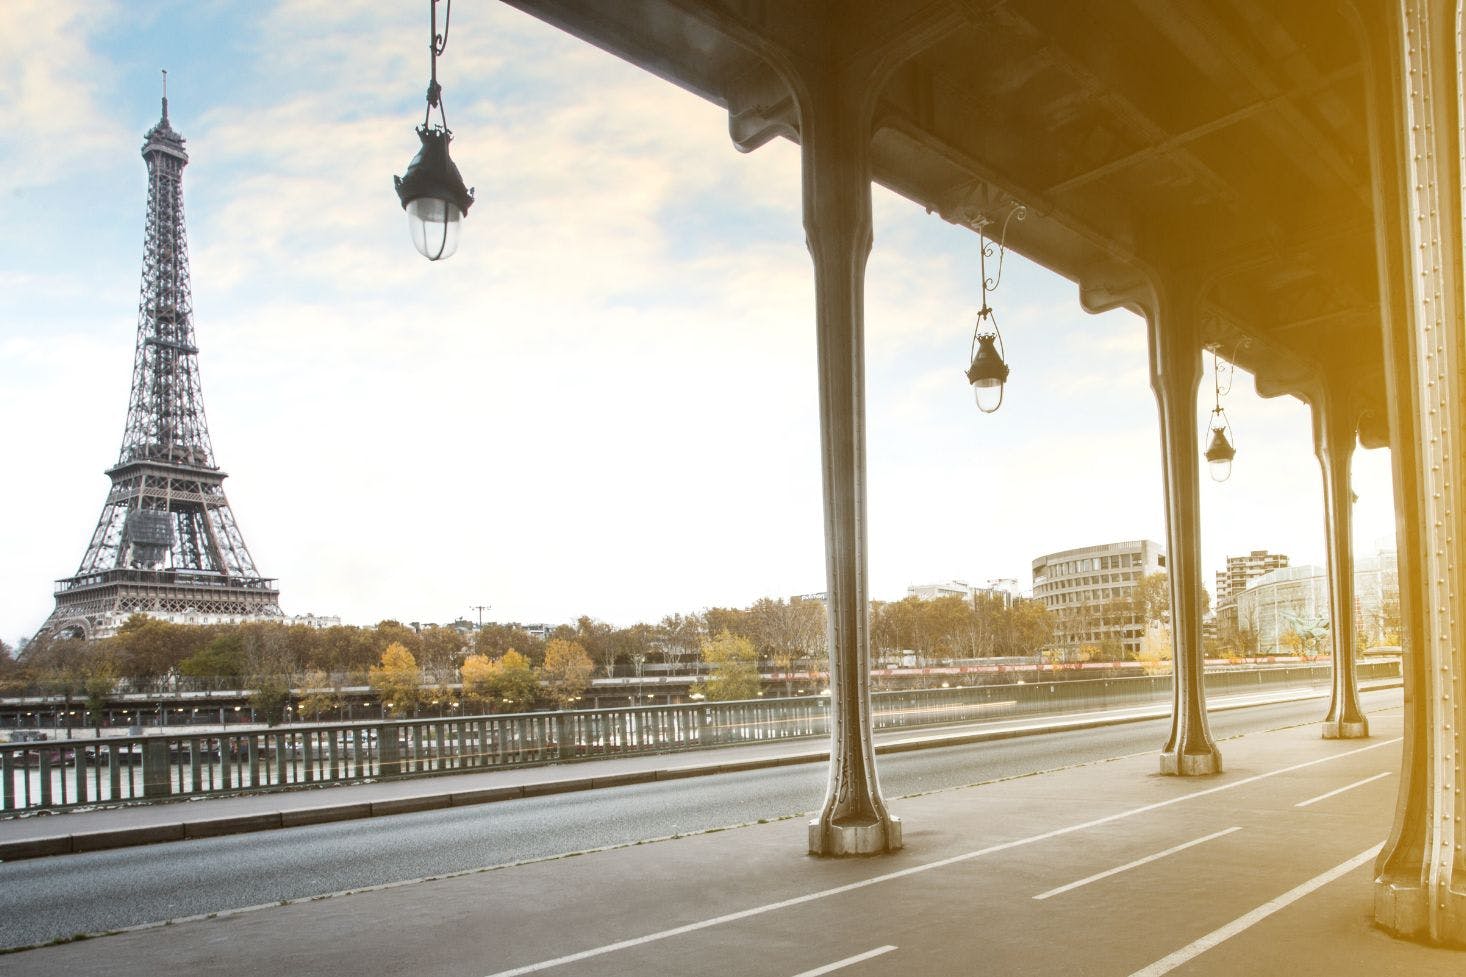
<point>605,403</point>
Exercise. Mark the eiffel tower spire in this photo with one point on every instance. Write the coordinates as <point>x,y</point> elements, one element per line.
<point>167,543</point>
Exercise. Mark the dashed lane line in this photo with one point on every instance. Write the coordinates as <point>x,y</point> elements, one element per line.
<point>830,968</point>
<point>1332,793</point>
<point>1197,947</point>
<point>918,869</point>
<point>1135,864</point>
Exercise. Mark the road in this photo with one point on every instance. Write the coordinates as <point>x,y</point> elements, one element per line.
<point>50,898</point>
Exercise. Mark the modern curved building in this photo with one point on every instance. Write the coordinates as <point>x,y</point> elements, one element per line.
<point>1297,597</point>
<point>1076,584</point>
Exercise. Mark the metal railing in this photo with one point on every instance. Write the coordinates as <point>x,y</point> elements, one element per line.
<point>46,774</point>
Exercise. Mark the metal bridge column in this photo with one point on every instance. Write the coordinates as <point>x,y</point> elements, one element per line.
<point>835,136</point>
<point>1334,433</point>
<point>1418,146</point>
<point>1175,374</point>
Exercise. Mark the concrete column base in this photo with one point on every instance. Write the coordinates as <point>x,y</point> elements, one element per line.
<point>1345,729</point>
<point>1404,910</point>
<point>872,838</point>
<point>1191,764</point>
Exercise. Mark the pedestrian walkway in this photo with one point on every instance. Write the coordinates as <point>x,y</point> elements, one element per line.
<point>69,832</point>
<point>1105,869</point>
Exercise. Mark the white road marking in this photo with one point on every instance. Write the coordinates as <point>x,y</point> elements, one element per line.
<point>917,869</point>
<point>1168,963</point>
<point>1135,864</point>
<point>840,964</point>
<point>1357,783</point>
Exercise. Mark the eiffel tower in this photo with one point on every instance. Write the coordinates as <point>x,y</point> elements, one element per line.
<point>167,543</point>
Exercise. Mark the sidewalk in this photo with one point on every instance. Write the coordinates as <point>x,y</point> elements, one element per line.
<point>96,829</point>
<point>1105,869</point>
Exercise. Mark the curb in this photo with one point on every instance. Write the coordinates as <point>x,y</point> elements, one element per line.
<point>66,844</point>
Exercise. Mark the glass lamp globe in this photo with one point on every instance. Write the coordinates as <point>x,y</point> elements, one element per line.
<point>434,223</point>
<point>987,375</point>
<point>1219,455</point>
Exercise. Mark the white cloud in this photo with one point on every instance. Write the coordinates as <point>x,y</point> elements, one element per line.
<point>51,79</point>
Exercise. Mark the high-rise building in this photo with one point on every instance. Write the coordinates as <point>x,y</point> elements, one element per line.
<point>1090,592</point>
<point>167,543</point>
<point>1242,570</point>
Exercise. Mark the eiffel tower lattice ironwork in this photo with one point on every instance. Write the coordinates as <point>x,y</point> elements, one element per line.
<point>167,543</point>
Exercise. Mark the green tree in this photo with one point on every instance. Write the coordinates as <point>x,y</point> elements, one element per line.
<point>735,668</point>
<point>219,664</point>
<point>396,679</point>
<point>318,697</point>
<point>567,671</point>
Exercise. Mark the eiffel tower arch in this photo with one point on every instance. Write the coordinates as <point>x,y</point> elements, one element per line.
<point>167,543</point>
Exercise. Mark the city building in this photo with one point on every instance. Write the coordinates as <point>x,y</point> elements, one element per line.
<point>1002,588</point>
<point>931,591</point>
<point>1242,570</point>
<point>1089,592</point>
<point>320,621</point>
<point>1296,599</point>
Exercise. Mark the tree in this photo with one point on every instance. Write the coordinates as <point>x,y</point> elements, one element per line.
<point>317,696</point>
<point>677,637</point>
<point>900,627</point>
<point>787,632</point>
<point>947,626</point>
<point>396,680</point>
<point>13,672</point>
<point>633,644</point>
<point>735,668</point>
<point>566,672</point>
<point>1032,624</point>
<point>595,639</point>
<point>100,682</point>
<point>477,675</point>
<point>148,649</point>
<point>492,640</point>
<point>1155,649</point>
<point>1152,597</point>
<point>442,649</point>
<point>347,651</point>
<point>781,633</point>
<point>516,684</point>
<point>219,664</point>
<point>269,670</point>
<point>508,680</point>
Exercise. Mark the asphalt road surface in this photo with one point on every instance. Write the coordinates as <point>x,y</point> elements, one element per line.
<point>51,898</point>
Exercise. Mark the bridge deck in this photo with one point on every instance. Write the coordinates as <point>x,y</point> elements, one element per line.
<point>1262,870</point>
